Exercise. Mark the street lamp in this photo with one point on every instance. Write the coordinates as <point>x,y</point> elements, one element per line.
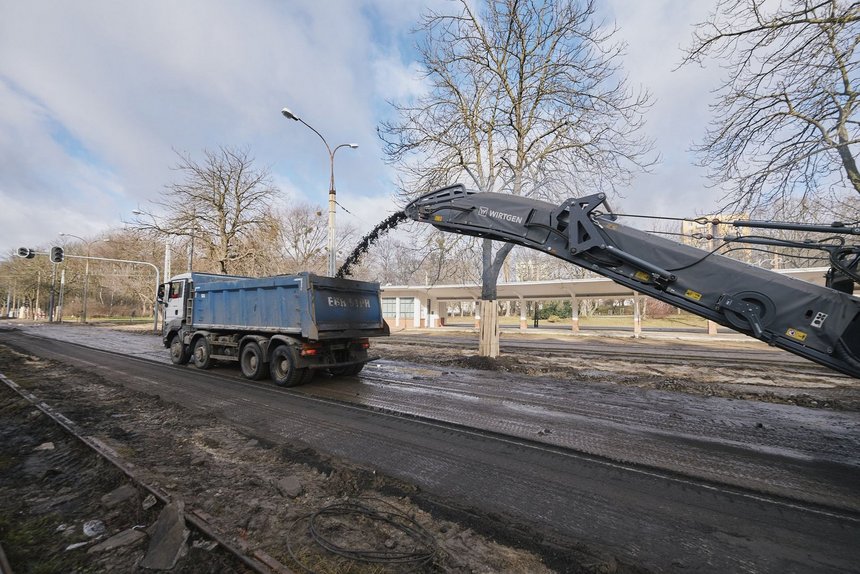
<point>86,273</point>
<point>331,191</point>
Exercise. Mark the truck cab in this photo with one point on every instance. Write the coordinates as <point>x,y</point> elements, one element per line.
<point>172,296</point>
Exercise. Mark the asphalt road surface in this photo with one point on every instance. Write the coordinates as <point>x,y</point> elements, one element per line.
<point>660,520</point>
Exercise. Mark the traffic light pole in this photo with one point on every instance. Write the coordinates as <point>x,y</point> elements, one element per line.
<point>53,286</point>
<point>157,279</point>
<point>62,290</point>
<point>29,254</point>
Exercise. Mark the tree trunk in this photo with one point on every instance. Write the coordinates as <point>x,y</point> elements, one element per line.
<point>850,165</point>
<point>488,346</point>
<point>489,332</point>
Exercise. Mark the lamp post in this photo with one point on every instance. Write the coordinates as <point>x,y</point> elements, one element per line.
<point>332,202</point>
<point>86,273</point>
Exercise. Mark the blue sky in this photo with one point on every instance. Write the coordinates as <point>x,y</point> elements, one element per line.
<point>95,96</point>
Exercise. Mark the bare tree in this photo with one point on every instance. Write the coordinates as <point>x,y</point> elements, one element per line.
<point>525,98</point>
<point>222,202</point>
<point>303,236</point>
<point>787,121</point>
<point>25,282</point>
<point>262,249</point>
<point>131,285</point>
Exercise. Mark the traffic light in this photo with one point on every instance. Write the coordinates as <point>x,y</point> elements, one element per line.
<point>26,252</point>
<point>57,254</point>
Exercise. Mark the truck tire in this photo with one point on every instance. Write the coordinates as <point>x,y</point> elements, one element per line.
<point>179,354</point>
<point>348,371</point>
<point>252,362</point>
<point>202,353</point>
<point>282,368</point>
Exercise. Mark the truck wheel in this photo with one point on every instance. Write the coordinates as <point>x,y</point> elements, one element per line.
<point>348,371</point>
<point>283,369</point>
<point>179,354</point>
<point>251,361</point>
<point>202,354</point>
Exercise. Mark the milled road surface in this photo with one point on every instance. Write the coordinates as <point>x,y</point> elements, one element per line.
<point>659,520</point>
<point>804,454</point>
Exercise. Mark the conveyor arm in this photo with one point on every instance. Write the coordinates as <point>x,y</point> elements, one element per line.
<point>815,322</point>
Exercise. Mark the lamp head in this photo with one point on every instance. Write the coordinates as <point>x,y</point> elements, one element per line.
<point>289,115</point>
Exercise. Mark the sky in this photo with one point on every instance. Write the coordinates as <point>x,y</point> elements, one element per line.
<point>97,97</point>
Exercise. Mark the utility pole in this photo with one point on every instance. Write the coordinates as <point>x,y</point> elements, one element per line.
<point>62,289</point>
<point>53,288</point>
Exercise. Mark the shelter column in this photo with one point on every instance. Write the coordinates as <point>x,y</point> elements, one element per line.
<point>574,313</point>
<point>397,311</point>
<point>433,313</point>
<point>637,318</point>
<point>477,313</point>
<point>523,319</point>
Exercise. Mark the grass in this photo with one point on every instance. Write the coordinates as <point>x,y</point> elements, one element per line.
<point>33,541</point>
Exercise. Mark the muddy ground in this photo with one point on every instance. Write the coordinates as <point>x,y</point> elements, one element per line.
<point>780,381</point>
<point>258,495</point>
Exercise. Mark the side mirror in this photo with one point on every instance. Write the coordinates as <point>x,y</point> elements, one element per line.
<point>160,296</point>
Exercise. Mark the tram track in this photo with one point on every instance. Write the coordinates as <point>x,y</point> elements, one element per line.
<point>258,562</point>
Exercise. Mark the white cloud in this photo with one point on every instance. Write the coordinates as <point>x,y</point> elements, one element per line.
<point>95,96</point>
<point>656,33</point>
<point>397,81</point>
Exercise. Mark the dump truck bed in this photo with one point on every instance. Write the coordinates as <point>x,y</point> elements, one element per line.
<point>304,304</point>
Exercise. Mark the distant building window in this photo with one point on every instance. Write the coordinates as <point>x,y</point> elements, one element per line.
<point>389,307</point>
<point>407,307</point>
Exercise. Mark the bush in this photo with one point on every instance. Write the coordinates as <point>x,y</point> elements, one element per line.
<point>555,309</point>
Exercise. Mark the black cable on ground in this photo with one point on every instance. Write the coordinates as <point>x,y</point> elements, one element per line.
<point>373,516</point>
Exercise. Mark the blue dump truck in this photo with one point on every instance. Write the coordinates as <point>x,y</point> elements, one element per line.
<point>287,326</point>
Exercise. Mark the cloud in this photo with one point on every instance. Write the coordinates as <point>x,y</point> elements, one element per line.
<point>655,33</point>
<point>397,81</point>
<point>96,96</point>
